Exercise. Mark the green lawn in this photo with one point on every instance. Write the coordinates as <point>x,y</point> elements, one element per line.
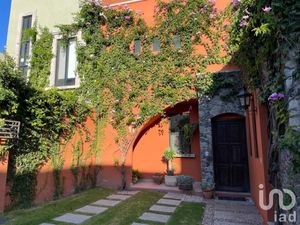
<point>125,213</point>
<point>46,212</point>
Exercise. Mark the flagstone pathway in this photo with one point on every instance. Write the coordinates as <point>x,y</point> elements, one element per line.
<point>163,209</point>
<point>81,215</point>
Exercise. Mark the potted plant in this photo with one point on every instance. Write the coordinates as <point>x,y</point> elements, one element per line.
<point>185,182</point>
<point>170,179</point>
<point>208,190</point>
<point>158,178</point>
<point>136,176</point>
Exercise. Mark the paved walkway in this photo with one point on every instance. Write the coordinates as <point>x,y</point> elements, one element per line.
<point>80,215</point>
<point>163,209</point>
<point>220,212</point>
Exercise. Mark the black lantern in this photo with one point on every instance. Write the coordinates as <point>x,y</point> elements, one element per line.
<point>244,97</point>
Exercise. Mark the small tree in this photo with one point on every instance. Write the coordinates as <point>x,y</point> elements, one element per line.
<point>169,155</point>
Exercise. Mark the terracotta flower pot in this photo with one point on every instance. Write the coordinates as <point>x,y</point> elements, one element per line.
<point>208,194</point>
<point>158,178</point>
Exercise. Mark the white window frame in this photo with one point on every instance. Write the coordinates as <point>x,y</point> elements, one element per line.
<point>124,3</point>
<point>19,38</point>
<point>57,37</point>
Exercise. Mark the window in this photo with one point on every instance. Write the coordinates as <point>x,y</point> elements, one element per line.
<point>25,45</point>
<point>137,46</point>
<point>176,41</point>
<point>156,44</point>
<point>66,63</point>
<point>181,131</point>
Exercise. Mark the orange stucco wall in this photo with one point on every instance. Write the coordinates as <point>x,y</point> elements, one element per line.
<point>148,153</point>
<point>3,176</point>
<point>258,166</point>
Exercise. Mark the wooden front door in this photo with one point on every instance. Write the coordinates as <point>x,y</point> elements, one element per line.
<point>230,155</point>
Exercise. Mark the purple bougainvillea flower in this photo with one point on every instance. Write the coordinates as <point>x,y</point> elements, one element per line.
<point>276,97</point>
<point>212,2</point>
<point>212,15</point>
<point>139,11</point>
<point>127,17</point>
<point>202,10</point>
<point>243,23</point>
<point>267,9</point>
<point>245,17</point>
<point>138,117</point>
<point>192,13</point>
<point>236,3</point>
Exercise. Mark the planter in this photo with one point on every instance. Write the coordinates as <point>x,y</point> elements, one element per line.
<point>185,187</point>
<point>170,181</point>
<point>208,194</point>
<point>158,178</point>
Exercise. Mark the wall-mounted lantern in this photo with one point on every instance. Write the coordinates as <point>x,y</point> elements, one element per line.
<point>244,97</point>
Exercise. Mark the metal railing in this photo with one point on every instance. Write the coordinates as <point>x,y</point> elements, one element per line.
<point>10,129</point>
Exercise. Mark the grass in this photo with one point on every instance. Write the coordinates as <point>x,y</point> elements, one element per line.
<point>125,213</point>
<point>46,212</point>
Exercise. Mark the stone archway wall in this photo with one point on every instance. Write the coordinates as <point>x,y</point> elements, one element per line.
<point>210,108</point>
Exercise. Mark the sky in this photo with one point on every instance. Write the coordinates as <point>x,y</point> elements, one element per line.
<point>4,17</point>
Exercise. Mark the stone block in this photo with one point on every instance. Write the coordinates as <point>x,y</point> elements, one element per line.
<point>89,209</point>
<point>155,217</point>
<point>163,209</point>
<point>105,202</point>
<point>169,202</point>
<point>72,218</point>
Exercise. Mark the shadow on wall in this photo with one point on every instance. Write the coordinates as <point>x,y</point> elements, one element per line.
<point>67,182</point>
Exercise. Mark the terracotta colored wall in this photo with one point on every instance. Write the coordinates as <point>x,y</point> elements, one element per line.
<point>148,153</point>
<point>3,176</point>
<point>109,174</point>
<point>258,166</point>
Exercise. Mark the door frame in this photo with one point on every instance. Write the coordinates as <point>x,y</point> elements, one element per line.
<point>231,117</point>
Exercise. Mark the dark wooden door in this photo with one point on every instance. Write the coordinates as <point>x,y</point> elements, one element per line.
<point>230,155</point>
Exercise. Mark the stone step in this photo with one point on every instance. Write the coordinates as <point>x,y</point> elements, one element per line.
<point>46,224</point>
<point>218,222</point>
<point>234,217</point>
<point>154,217</point>
<point>72,218</point>
<point>139,224</point>
<point>127,192</point>
<point>237,208</point>
<point>192,198</point>
<point>89,209</point>
<point>172,195</point>
<point>119,197</point>
<point>169,202</point>
<point>163,209</point>
<point>105,202</point>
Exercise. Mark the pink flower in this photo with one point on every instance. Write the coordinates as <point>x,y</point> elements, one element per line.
<point>192,13</point>
<point>236,3</point>
<point>246,11</point>
<point>138,117</point>
<point>212,2</point>
<point>202,10</point>
<point>243,23</point>
<point>211,16</point>
<point>127,17</point>
<point>267,9</point>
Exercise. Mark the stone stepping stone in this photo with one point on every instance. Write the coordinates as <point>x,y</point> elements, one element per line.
<point>165,209</point>
<point>192,198</point>
<point>155,217</point>
<point>127,192</point>
<point>47,224</point>
<point>169,202</point>
<point>89,209</point>
<point>72,218</point>
<point>171,195</point>
<point>119,197</point>
<point>105,202</point>
<point>139,224</point>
